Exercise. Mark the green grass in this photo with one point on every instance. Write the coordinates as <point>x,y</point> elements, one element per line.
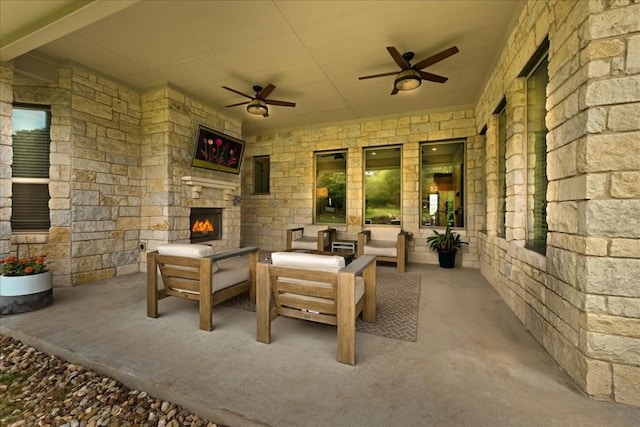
<point>389,212</point>
<point>330,218</point>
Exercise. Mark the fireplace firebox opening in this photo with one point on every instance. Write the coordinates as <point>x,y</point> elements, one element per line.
<point>205,224</point>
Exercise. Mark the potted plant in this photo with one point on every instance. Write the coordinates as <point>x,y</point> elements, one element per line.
<point>25,284</point>
<point>447,245</point>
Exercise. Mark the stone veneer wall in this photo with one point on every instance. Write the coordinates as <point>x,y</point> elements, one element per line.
<point>581,300</point>
<point>117,159</point>
<point>169,123</point>
<point>94,175</point>
<point>265,218</point>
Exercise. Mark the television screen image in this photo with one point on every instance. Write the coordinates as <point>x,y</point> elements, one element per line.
<point>217,151</point>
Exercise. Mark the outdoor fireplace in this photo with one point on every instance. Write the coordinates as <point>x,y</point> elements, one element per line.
<point>205,224</point>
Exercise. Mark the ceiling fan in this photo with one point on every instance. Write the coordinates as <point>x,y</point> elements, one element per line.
<point>411,76</point>
<point>259,102</point>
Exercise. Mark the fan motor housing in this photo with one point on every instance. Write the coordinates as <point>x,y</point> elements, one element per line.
<point>257,106</point>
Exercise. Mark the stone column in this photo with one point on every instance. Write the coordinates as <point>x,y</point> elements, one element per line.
<point>6,156</point>
<point>593,260</point>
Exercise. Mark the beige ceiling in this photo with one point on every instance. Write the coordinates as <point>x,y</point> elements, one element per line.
<point>312,51</point>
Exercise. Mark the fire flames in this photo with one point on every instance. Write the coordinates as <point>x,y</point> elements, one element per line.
<point>202,226</point>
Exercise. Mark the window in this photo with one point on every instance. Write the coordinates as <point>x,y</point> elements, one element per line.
<point>261,174</point>
<point>382,185</point>
<point>442,181</point>
<point>331,187</point>
<point>502,171</point>
<point>30,169</point>
<point>537,157</point>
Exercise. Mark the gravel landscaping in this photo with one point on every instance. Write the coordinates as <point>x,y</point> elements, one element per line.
<point>37,389</point>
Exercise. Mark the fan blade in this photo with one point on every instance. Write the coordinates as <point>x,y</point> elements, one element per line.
<point>264,93</point>
<point>432,77</point>
<point>239,103</point>
<point>402,63</point>
<point>239,93</point>
<point>435,58</point>
<point>280,103</point>
<point>378,75</point>
<point>394,91</point>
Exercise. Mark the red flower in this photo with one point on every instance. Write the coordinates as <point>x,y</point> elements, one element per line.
<point>14,266</point>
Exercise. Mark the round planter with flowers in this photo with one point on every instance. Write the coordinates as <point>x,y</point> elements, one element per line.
<point>25,284</point>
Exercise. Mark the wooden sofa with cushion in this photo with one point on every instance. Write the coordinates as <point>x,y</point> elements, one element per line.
<point>318,288</point>
<point>387,243</point>
<point>196,273</point>
<point>311,237</point>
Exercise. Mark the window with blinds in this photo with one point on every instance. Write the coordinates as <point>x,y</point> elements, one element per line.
<point>537,157</point>
<point>30,168</point>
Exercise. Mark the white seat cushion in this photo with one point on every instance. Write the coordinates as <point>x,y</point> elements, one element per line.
<point>305,242</point>
<point>311,230</point>
<point>185,250</point>
<point>381,248</point>
<point>226,277</point>
<point>188,251</point>
<point>331,264</point>
<point>224,274</point>
<point>231,271</point>
<point>385,233</point>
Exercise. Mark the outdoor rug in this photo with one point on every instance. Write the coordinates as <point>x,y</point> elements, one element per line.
<point>398,302</point>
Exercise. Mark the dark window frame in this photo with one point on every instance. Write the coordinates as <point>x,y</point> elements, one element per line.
<point>30,178</point>
<point>261,174</point>
<point>388,218</point>
<point>454,215</point>
<point>536,175</point>
<point>330,188</point>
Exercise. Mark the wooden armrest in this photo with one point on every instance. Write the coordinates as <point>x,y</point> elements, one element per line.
<point>233,253</point>
<point>358,265</point>
<point>364,236</point>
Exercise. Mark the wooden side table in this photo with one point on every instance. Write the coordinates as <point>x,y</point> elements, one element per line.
<point>344,246</point>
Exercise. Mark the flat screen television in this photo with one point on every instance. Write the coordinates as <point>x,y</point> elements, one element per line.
<point>217,151</point>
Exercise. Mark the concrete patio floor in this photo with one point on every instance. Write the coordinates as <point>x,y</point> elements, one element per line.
<point>473,364</point>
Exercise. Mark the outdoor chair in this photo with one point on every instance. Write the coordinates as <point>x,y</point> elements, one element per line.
<point>387,243</point>
<point>195,273</point>
<point>311,237</point>
<point>318,288</point>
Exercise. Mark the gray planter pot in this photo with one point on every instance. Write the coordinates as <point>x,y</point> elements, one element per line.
<point>19,294</point>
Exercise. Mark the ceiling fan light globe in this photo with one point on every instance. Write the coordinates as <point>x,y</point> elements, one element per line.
<point>257,107</point>
<point>407,80</point>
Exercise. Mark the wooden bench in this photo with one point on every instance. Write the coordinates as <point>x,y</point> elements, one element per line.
<point>318,288</point>
<point>194,272</point>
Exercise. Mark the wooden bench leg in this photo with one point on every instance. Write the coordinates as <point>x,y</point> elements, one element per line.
<point>152,285</point>
<point>263,303</point>
<point>346,319</point>
<point>253,262</point>
<point>370,276</point>
<point>206,296</point>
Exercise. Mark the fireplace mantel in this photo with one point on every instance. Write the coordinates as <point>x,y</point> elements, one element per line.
<point>197,183</point>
